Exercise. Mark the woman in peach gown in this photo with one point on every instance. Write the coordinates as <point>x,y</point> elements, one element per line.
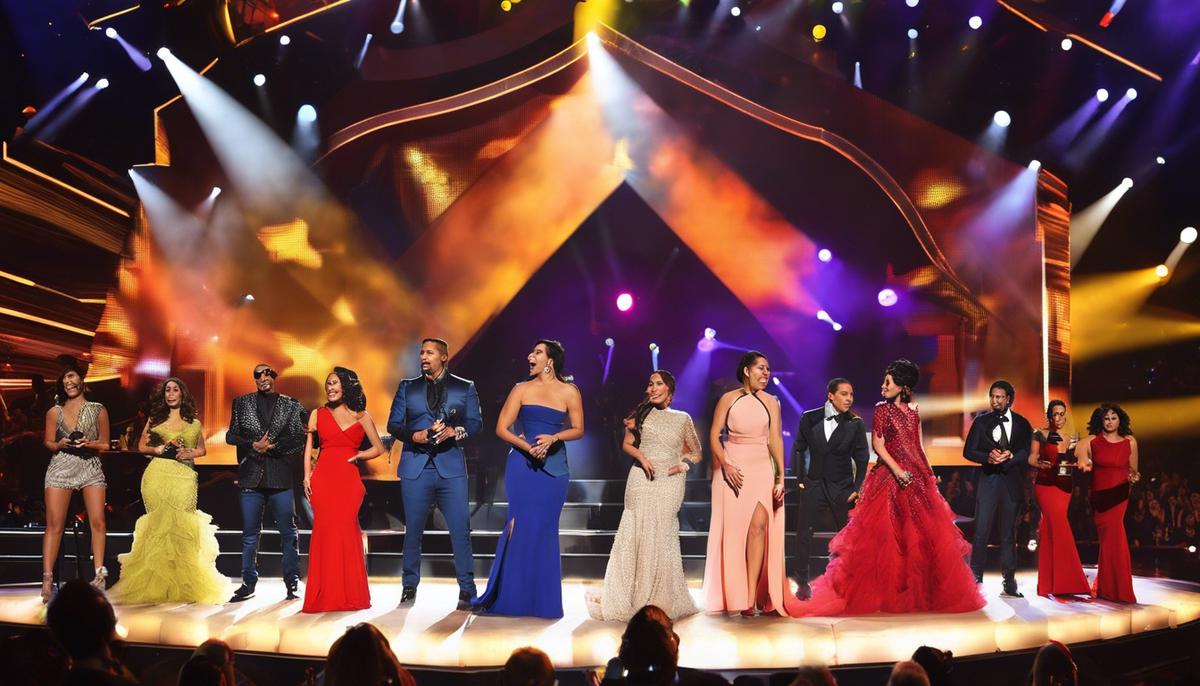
<point>744,571</point>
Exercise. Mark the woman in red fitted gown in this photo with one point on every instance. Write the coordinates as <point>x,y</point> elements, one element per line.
<point>337,572</point>
<point>1111,454</point>
<point>901,551</point>
<point>1059,570</point>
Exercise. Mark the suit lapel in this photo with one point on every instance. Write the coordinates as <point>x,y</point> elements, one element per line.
<point>836,436</point>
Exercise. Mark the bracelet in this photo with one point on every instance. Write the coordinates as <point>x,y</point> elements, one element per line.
<point>687,466</point>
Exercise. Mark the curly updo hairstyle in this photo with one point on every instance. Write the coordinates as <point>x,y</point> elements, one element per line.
<point>352,390</point>
<point>905,374</point>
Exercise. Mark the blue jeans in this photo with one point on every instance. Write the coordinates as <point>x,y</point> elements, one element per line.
<point>254,503</point>
<point>450,495</point>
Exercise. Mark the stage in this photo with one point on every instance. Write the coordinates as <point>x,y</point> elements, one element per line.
<point>431,634</point>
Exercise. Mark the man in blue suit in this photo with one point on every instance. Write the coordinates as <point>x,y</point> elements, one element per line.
<point>432,414</point>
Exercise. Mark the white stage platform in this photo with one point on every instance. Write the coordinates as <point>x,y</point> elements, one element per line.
<point>432,634</point>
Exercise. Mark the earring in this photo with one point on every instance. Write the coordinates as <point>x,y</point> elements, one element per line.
<point>546,369</point>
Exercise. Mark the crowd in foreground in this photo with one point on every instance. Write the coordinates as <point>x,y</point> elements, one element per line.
<point>81,648</point>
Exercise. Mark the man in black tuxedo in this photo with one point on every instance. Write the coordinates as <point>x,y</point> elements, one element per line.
<point>999,441</point>
<point>830,453</point>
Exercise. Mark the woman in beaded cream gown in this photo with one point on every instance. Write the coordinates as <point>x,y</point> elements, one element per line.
<point>645,566</point>
<point>174,554</point>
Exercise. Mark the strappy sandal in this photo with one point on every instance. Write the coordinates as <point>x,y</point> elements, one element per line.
<point>99,582</point>
<point>47,587</point>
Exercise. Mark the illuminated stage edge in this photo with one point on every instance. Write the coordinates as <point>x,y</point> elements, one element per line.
<point>432,634</point>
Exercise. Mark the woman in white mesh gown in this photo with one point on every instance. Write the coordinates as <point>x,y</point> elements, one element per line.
<point>645,566</point>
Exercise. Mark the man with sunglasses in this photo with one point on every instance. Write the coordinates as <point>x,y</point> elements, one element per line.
<point>268,430</point>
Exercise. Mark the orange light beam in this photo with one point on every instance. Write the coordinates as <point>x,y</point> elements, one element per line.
<point>114,15</point>
<point>51,179</point>
<point>1076,37</point>
<point>301,17</point>
<point>1021,14</point>
<point>1109,53</point>
<point>26,282</point>
<point>48,322</point>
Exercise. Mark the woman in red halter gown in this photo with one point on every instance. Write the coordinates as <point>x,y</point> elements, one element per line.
<point>1060,572</point>
<point>337,571</point>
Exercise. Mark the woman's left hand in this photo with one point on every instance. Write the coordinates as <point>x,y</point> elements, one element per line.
<point>777,492</point>
<point>542,445</point>
<point>1134,476</point>
<point>678,468</point>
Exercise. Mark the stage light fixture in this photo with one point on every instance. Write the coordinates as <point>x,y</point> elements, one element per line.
<point>307,114</point>
<point>163,53</point>
<point>653,347</point>
<point>824,255</point>
<point>1160,159</point>
<point>837,326</point>
<point>249,297</point>
<point>912,3</point>
<point>887,297</point>
<point>1066,44</point>
<point>1002,119</point>
<point>1102,94</point>
<point>1191,548</point>
<point>775,380</point>
<point>912,34</point>
<point>216,190</point>
<point>1035,165</point>
<point>625,302</point>
<point>110,32</point>
<point>975,22</point>
<point>710,333</point>
<point>819,32</point>
<point>102,84</point>
<point>504,5</point>
<point>837,7</point>
<point>1131,94</point>
<point>397,27</point>
<point>260,80</point>
<point>608,342</point>
<point>1161,271</point>
<point>285,39</point>
<point>1127,182</point>
<point>735,11</point>
<point>1188,235</point>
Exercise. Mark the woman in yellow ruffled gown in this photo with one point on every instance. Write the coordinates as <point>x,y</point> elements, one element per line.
<point>174,554</point>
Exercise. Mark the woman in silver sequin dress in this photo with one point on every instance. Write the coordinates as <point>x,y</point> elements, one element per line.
<point>645,566</point>
<point>76,432</point>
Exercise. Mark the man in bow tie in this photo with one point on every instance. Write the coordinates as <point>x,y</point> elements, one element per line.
<point>999,441</point>
<point>830,453</point>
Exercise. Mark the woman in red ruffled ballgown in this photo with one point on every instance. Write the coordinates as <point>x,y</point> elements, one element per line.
<point>1111,454</point>
<point>337,570</point>
<point>901,551</point>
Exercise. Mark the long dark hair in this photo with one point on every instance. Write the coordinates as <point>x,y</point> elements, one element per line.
<point>1096,423</point>
<point>363,656</point>
<point>649,649</point>
<point>158,403</point>
<point>639,413</point>
<point>352,391</point>
<point>905,374</point>
<point>60,391</point>
<point>556,352</point>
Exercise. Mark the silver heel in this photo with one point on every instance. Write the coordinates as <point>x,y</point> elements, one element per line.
<point>99,582</point>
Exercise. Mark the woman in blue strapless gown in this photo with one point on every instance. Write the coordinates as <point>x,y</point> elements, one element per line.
<point>526,576</point>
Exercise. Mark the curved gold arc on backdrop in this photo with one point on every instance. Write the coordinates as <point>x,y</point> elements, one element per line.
<point>556,63</point>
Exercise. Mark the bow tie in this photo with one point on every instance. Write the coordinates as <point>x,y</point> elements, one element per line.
<point>839,418</point>
<point>1001,418</point>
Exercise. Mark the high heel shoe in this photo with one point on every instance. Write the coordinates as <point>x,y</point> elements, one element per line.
<point>99,581</point>
<point>47,587</point>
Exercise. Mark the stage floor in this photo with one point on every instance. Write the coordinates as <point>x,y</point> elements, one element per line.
<point>432,634</point>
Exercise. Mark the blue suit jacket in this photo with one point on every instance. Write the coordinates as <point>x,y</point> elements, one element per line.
<point>410,413</point>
